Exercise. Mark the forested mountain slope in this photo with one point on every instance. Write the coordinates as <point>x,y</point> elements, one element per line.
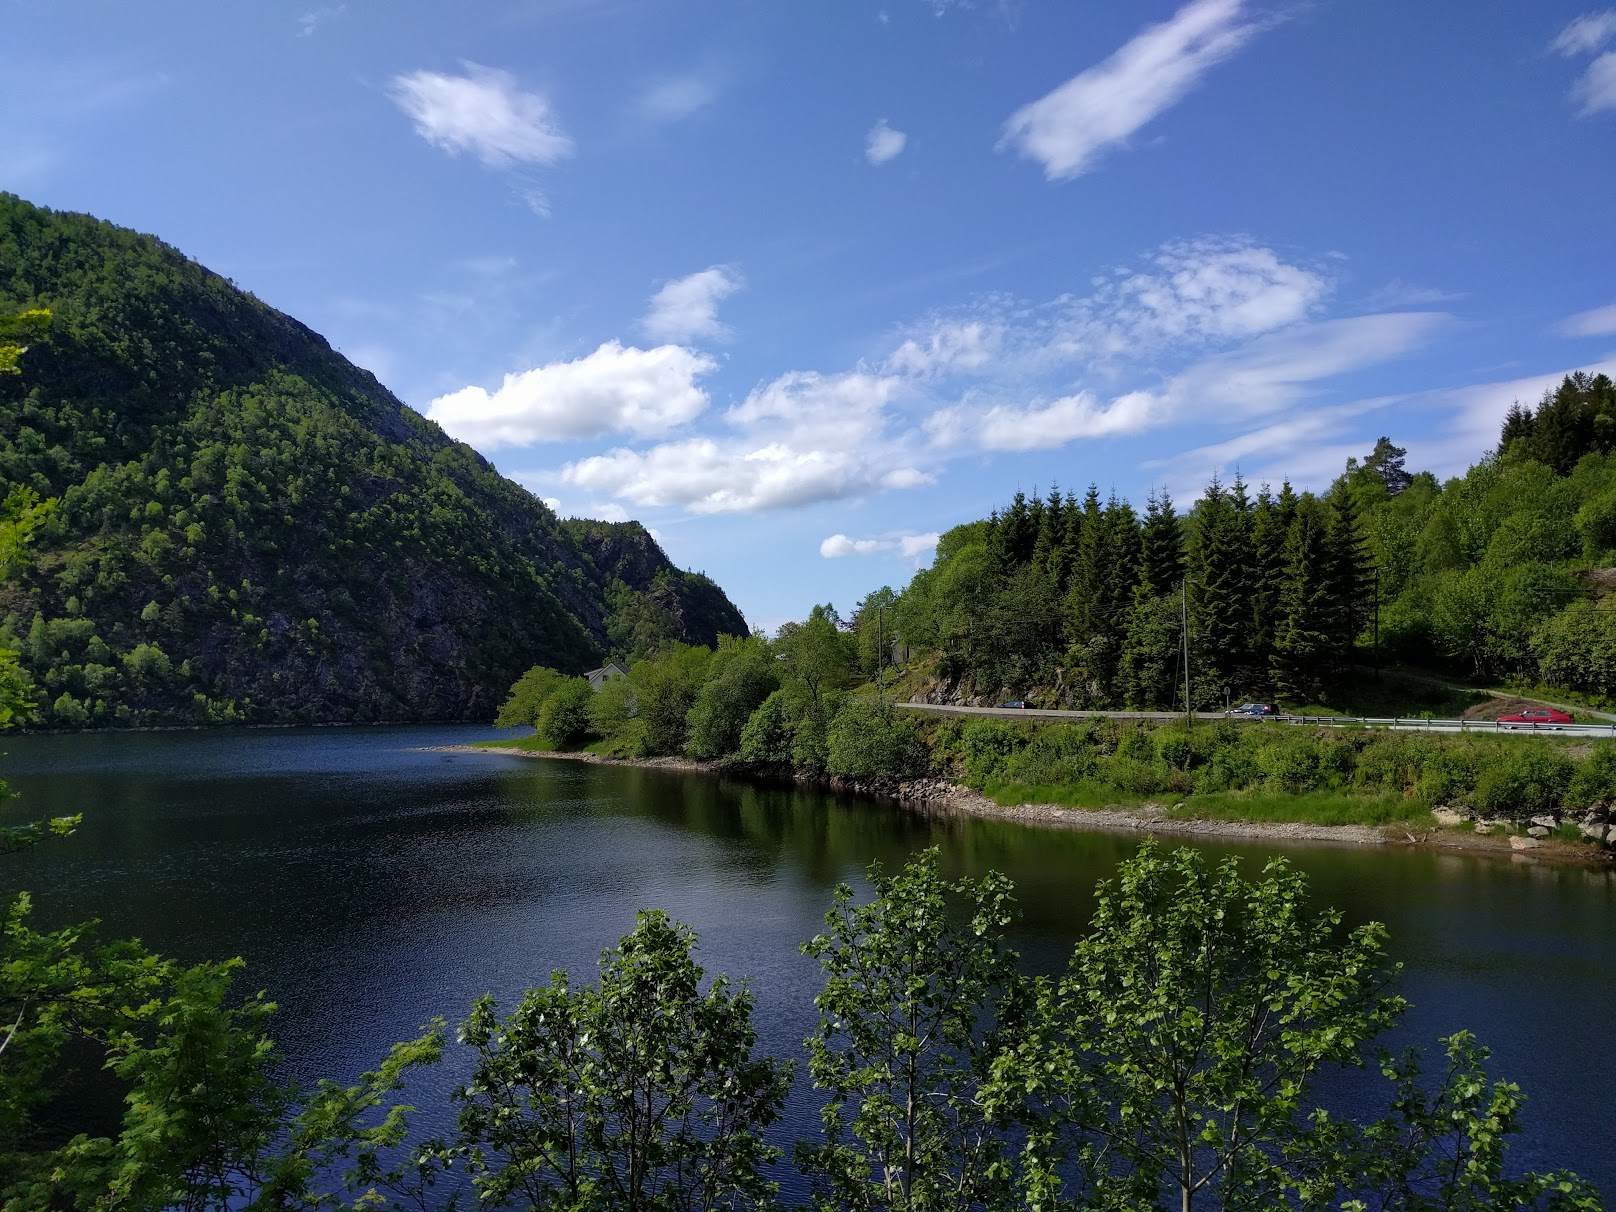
<point>1505,573</point>
<point>252,528</point>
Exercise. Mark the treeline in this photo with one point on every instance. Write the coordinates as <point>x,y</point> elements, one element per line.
<point>1499,574</point>
<point>1177,1060</point>
<point>785,701</point>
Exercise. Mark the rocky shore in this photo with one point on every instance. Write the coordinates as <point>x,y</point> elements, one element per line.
<point>945,797</point>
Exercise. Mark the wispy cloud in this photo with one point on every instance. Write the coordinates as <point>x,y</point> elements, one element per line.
<point>1586,34</point>
<point>686,309</point>
<point>677,98</point>
<point>1595,89</point>
<point>883,143</point>
<point>1071,127</point>
<point>312,20</point>
<point>484,112</point>
<point>1597,322</point>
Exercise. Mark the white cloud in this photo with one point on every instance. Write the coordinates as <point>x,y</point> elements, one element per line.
<point>1213,289</point>
<point>802,438</point>
<point>1596,90</point>
<point>1067,130</point>
<point>964,345</point>
<point>1276,371</point>
<point>643,391</point>
<point>483,112</point>
<point>1185,295</point>
<point>687,308</point>
<point>883,143</point>
<point>909,546</point>
<point>1063,420</point>
<point>1587,33</point>
<point>1599,322</point>
<point>706,477</point>
<point>676,99</point>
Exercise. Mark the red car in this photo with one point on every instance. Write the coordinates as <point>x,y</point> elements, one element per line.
<point>1542,717</point>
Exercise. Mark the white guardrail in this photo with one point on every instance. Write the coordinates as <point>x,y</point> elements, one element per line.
<point>1394,723</point>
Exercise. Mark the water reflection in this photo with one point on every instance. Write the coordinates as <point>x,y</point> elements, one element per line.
<point>371,884</point>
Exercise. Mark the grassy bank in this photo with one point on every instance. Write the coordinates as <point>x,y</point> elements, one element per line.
<point>1269,772</point>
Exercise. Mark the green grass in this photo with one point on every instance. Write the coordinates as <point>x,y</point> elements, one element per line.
<point>1307,807</point>
<point>1396,694</point>
<point>532,744</point>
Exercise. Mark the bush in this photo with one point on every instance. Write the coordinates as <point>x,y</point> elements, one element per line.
<point>869,740</point>
<point>1289,765</point>
<point>988,746</point>
<point>1594,784</point>
<point>564,718</point>
<point>767,734</point>
<point>1523,783</point>
<point>1053,757</point>
<point>1136,745</point>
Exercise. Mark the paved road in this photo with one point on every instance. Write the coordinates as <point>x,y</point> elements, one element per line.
<point>1328,721</point>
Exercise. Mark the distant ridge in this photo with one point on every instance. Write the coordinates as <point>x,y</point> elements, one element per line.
<point>251,528</point>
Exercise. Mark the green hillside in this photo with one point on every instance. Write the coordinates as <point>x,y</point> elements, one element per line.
<point>1504,574</point>
<point>252,528</point>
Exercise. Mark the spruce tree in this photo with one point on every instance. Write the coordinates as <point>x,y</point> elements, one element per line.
<point>1161,565</point>
<point>1351,574</point>
<point>1221,587</point>
<point>1302,639</point>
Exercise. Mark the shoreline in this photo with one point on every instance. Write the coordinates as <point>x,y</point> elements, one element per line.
<point>944,797</point>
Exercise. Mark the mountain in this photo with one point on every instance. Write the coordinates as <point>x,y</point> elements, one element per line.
<point>251,528</point>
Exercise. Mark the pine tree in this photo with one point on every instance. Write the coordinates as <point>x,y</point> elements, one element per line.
<point>1386,463</point>
<point>1270,524</point>
<point>1519,425</point>
<point>1351,573</point>
<point>1161,563</point>
<point>1221,585</point>
<point>1149,675</point>
<point>1302,640</point>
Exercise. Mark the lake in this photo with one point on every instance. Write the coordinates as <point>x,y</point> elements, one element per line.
<point>371,884</point>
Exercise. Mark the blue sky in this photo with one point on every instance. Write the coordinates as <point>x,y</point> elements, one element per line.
<point>801,284</point>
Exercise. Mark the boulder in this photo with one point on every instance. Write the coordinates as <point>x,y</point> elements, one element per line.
<point>1594,830</point>
<point>1538,831</point>
<point>1524,843</point>
<point>1484,826</point>
<point>1546,822</point>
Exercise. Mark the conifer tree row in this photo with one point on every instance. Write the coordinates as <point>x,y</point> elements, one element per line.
<point>1504,574</point>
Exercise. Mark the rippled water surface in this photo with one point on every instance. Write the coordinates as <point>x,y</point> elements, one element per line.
<point>372,884</point>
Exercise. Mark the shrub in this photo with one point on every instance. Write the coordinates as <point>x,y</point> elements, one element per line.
<point>564,718</point>
<point>869,740</point>
<point>1135,745</point>
<point>1594,784</point>
<point>1054,756</point>
<point>1523,783</point>
<point>988,745</point>
<point>1129,774</point>
<point>767,734</point>
<point>1289,765</point>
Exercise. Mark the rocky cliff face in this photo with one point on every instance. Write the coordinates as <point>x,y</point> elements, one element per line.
<point>249,527</point>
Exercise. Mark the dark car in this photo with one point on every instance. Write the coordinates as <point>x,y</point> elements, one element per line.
<point>1018,703</point>
<point>1539,717</point>
<point>1259,710</point>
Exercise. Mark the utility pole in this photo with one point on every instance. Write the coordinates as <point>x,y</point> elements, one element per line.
<point>1184,604</point>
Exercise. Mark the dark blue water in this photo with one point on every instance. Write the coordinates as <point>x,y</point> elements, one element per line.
<point>372,885</point>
